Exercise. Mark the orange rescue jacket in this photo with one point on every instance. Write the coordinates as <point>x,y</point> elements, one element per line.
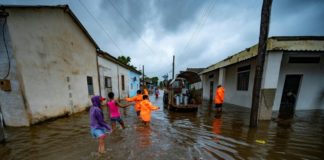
<point>146,92</point>
<point>219,95</point>
<point>146,108</point>
<point>137,99</point>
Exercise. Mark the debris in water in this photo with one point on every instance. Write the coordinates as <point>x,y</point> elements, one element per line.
<point>260,141</point>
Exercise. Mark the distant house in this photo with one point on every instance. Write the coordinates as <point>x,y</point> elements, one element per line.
<point>134,82</point>
<point>292,78</point>
<point>116,77</point>
<point>53,64</point>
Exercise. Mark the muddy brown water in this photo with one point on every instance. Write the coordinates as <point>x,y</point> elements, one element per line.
<point>173,135</point>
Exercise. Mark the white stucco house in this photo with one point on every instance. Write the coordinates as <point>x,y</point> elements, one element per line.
<point>52,64</point>
<point>115,76</point>
<point>134,82</point>
<point>293,64</point>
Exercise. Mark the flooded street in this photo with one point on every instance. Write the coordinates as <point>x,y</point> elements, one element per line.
<point>173,135</point>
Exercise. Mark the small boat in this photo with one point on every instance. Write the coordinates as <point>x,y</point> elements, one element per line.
<point>179,96</point>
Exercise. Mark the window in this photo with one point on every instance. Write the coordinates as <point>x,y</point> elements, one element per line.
<point>304,60</point>
<point>211,76</point>
<point>243,74</point>
<point>123,82</point>
<point>108,82</point>
<point>90,85</point>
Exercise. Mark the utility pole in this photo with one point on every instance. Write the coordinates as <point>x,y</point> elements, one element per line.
<point>2,133</point>
<point>262,48</point>
<point>173,67</point>
<point>143,77</point>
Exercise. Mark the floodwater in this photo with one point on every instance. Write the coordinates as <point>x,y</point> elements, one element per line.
<point>173,135</point>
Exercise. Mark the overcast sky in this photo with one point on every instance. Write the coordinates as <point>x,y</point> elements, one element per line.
<point>198,32</point>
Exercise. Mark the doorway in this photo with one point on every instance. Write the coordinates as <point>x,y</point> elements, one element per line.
<point>289,96</point>
<point>211,91</point>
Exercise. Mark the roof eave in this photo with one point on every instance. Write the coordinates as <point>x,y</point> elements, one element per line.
<point>115,60</point>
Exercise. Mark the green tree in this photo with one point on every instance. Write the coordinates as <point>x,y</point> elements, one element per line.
<point>155,80</point>
<point>126,60</point>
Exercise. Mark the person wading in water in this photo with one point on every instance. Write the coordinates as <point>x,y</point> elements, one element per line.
<point>219,98</point>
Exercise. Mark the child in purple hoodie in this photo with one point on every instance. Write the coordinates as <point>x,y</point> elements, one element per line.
<point>99,128</point>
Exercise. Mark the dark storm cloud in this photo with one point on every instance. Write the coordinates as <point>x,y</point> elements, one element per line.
<point>174,13</point>
<point>167,14</point>
<point>127,17</point>
<point>198,32</point>
<point>297,17</point>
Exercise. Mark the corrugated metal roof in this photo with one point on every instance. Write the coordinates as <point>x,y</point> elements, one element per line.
<point>190,76</point>
<point>284,43</point>
<point>197,70</point>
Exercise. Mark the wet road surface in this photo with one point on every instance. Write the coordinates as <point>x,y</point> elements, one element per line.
<point>173,135</point>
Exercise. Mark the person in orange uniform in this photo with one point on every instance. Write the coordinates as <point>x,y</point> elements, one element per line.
<point>219,98</point>
<point>137,99</point>
<point>146,109</point>
<point>145,92</point>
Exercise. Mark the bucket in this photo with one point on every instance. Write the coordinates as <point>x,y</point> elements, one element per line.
<point>185,99</point>
<point>181,99</point>
<point>177,100</point>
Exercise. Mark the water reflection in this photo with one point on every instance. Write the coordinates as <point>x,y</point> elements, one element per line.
<point>145,135</point>
<point>217,124</point>
<point>173,135</point>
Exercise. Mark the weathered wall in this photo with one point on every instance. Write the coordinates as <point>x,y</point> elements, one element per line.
<point>270,79</point>
<point>123,71</point>
<point>311,84</point>
<point>54,58</point>
<point>133,86</point>
<point>113,70</point>
<point>206,83</point>
<point>232,95</point>
<point>12,102</point>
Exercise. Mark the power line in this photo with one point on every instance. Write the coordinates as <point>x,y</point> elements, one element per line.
<point>5,44</point>
<point>199,26</point>
<point>107,34</point>
<point>130,26</point>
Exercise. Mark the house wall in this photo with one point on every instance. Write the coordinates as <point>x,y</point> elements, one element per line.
<point>124,93</point>
<point>269,84</point>
<point>115,71</point>
<point>133,86</point>
<point>108,69</point>
<point>232,95</point>
<point>311,84</point>
<point>12,105</point>
<point>206,83</point>
<point>54,58</point>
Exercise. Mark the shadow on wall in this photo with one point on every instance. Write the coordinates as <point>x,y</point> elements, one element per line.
<point>320,99</point>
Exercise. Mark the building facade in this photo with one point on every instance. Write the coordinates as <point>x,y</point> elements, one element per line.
<point>53,64</point>
<point>134,82</point>
<point>116,77</point>
<point>292,78</point>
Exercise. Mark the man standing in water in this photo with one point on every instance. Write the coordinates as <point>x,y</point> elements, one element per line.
<point>137,99</point>
<point>219,98</point>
